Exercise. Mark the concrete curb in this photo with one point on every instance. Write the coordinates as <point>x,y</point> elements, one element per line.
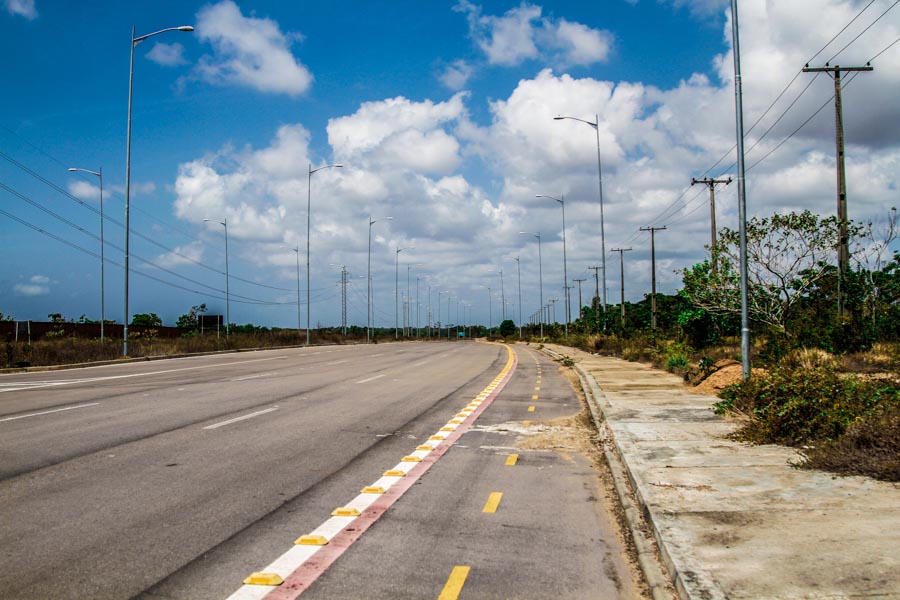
<point>648,561</point>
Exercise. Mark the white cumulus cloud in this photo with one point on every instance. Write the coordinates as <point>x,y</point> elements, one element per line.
<point>249,51</point>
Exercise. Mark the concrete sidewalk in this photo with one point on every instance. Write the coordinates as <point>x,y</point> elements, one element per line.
<point>733,520</point>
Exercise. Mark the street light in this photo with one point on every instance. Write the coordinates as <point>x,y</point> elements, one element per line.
<point>369,277</point>
<point>297,250</point>
<point>397,291</point>
<point>134,42</point>
<point>540,274</point>
<point>224,224</point>
<point>308,214</point>
<point>596,126</point>
<point>490,309</point>
<point>562,203</point>
<point>519,287</point>
<point>408,315</point>
<point>99,175</point>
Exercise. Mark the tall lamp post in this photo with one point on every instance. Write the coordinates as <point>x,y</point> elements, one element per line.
<point>224,223</point>
<point>562,203</point>
<point>99,175</point>
<point>134,42</point>
<point>596,126</point>
<point>308,216</point>
<point>408,315</point>
<point>397,291</point>
<point>299,322</point>
<point>519,287</point>
<point>490,309</point>
<point>369,277</point>
<point>540,275</point>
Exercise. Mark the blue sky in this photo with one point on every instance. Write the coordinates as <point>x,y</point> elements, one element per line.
<point>441,113</point>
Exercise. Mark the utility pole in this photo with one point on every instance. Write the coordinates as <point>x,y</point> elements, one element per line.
<point>843,237</point>
<point>519,287</point>
<point>621,252</point>
<point>578,281</point>
<point>553,301</point>
<point>596,302</point>
<point>502,299</point>
<point>711,183</point>
<point>653,231</point>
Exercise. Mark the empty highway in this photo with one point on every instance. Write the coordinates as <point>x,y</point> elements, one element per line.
<point>178,478</point>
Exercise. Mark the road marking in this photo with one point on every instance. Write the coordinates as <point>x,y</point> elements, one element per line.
<point>419,364</point>
<point>253,376</point>
<point>337,362</point>
<point>47,412</point>
<point>110,377</point>
<point>236,419</point>
<point>492,503</point>
<point>371,379</point>
<point>537,389</point>
<point>530,409</point>
<point>297,566</point>
<point>511,460</point>
<point>534,397</point>
<point>455,583</point>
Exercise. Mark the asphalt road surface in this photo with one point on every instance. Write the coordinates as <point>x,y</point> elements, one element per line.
<point>178,478</point>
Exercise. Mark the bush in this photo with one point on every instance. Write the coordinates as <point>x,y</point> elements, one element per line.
<point>803,405</point>
<point>871,446</point>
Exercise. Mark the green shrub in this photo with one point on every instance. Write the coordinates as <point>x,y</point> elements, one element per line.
<point>796,406</point>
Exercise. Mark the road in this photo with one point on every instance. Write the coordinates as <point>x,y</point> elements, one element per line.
<point>178,478</point>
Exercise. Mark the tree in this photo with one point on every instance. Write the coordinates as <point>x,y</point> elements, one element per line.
<point>787,255</point>
<point>146,320</point>
<point>56,318</point>
<point>191,320</point>
<point>507,328</point>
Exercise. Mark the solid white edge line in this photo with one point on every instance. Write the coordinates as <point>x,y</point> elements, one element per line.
<point>47,412</point>
<point>371,378</point>
<point>236,419</point>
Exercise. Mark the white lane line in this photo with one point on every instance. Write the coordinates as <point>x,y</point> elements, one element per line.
<point>371,379</point>
<point>47,412</point>
<point>236,419</point>
<point>254,376</point>
<point>337,362</point>
<point>419,364</point>
<point>110,377</point>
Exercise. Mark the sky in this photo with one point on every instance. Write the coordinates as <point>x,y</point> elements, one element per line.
<point>441,114</point>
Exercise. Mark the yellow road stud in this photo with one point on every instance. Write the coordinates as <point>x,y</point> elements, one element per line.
<point>264,579</point>
<point>437,438</point>
<point>410,459</point>
<point>511,460</point>
<point>424,447</point>
<point>345,512</point>
<point>530,409</point>
<point>455,421</point>
<point>311,540</point>
<point>395,473</point>
<point>372,489</point>
<point>448,428</point>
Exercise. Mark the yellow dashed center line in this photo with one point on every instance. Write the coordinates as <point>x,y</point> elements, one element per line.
<point>492,503</point>
<point>455,583</point>
<point>530,409</point>
<point>534,397</point>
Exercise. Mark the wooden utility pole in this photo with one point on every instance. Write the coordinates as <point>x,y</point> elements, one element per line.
<point>621,252</point>
<point>843,236</point>
<point>711,183</point>
<point>653,231</point>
